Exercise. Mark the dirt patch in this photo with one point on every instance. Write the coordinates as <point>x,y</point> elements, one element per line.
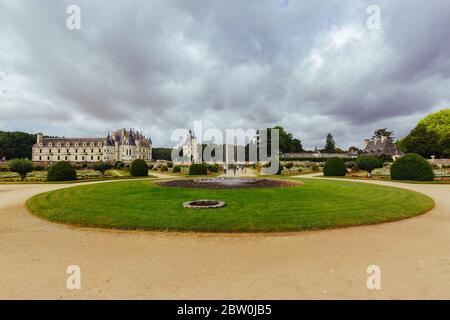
<point>228,183</point>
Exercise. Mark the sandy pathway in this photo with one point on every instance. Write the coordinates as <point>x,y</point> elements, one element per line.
<point>414,257</point>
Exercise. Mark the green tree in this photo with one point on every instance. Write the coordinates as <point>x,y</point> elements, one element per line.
<point>438,122</point>
<point>384,132</point>
<point>444,144</point>
<point>287,142</point>
<point>430,136</point>
<point>330,144</point>
<point>16,144</point>
<point>21,166</point>
<point>421,141</point>
<point>162,154</point>
<point>102,167</point>
<point>369,163</point>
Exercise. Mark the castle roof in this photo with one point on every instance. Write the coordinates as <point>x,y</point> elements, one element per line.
<point>380,146</point>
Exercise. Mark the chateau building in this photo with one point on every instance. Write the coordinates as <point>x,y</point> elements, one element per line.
<point>124,145</point>
<point>381,146</point>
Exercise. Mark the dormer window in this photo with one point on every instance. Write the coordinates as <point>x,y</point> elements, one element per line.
<point>59,144</point>
<point>99,144</point>
<point>50,144</point>
<point>92,144</point>
<point>84,144</point>
<point>76,144</point>
<point>67,144</point>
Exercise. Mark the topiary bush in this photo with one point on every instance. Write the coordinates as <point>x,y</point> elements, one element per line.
<point>412,167</point>
<point>369,163</point>
<point>139,168</point>
<point>119,165</point>
<point>164,168</point>
<point>61,171</point>
<point>214,168</point>
<point>21,166</point>
<point>197,169</point>
<point>334,167</point>
<point>102,167</point>
<point>177,169</point>
<point>169,164</point>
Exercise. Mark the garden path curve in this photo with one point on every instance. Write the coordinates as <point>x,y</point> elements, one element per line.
<point>413,254</point>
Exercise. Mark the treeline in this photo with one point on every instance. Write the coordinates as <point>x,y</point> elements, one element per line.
<point>16,144</point>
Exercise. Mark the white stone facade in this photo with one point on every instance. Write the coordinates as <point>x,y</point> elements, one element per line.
<point>191,149</point>
<point>121,145</point>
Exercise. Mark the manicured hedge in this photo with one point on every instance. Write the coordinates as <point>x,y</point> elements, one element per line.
<point>61,171</point>
<point>177,169</point>
<point>213,168</point>
<point>369,163</point>
<point>412,167</point>
<point>139,168</point>
<point>334,167</point>
<point>197,169</point>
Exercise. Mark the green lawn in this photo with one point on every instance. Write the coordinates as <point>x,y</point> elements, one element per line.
<point>317,204</point>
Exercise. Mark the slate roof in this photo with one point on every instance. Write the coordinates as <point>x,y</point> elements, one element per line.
<point>380,146</point>
<point>126,137</point>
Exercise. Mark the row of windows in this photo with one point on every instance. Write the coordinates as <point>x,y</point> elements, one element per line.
<point>76,150</point>
<point>67,144</point>
<point>82,158</point>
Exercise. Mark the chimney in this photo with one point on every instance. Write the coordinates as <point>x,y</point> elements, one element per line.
<point>383,139</point>
<point>366,142</point>
<point>39,138</point>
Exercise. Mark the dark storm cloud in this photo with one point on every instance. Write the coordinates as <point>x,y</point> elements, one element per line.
<point>313,67</point>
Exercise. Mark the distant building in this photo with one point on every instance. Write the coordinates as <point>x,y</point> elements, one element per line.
<point>381,146</point>
<point>124,145</point>
<point>190,149</point>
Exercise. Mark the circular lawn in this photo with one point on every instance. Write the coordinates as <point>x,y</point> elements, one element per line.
<point>317,204</point>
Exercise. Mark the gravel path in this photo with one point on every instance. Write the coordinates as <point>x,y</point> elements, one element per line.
<point>413,254</point>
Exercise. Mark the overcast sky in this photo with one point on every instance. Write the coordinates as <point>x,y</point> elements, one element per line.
<point>311,66</point>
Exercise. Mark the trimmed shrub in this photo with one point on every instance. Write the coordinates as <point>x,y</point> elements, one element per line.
<point>102,167</point>
<point>334,167</point>
<point>139,168</point>
<point>164,168</point>
<point>61,171</point>
<point>412,167</point>
<point>177,169</point>
<point>213,168</point>
<point>289,165</point>
<point>197,169</point>
<point>369,163</point>
<point>119,165</point>
<point>21,166</point>
<point>169,164</point>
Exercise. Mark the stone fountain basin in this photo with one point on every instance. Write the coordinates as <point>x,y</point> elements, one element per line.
<point>204,204</point>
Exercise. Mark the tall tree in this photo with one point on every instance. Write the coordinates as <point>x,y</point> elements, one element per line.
<point>330,144</point>
<point>421,141</point>
<point>287,142</point>
<point>16,144</point>
<point>430,137</point>
<point>383,132</point>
